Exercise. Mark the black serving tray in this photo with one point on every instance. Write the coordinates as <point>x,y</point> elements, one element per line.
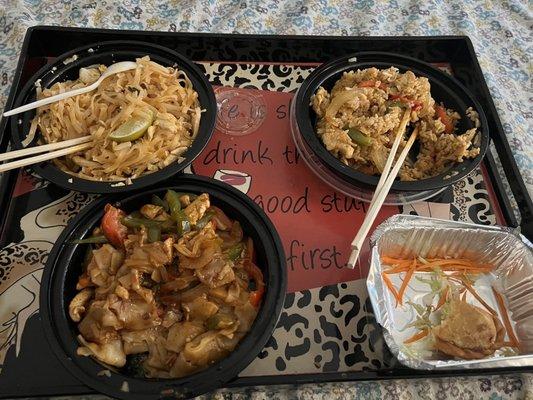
<point>36,372</point>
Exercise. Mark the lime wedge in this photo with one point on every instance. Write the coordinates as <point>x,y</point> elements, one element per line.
<point>133,128</point>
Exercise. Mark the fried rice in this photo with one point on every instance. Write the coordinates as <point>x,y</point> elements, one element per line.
<point>357,121</point>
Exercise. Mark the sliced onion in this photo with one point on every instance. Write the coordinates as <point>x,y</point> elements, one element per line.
<point>338,101</point>
<point>379,155</point>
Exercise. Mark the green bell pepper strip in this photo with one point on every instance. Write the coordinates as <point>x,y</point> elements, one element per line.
<point>154,234</point>
<point>174,204</point>
<point>92,240</point>
<point>136,222</point>
<point>235,251</point>
<point>156,200</point>
<point>208,216</point>
<point>358,137</point>
<point>183,223</point>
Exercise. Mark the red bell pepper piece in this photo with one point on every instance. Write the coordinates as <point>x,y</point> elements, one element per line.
<point>113,229</point>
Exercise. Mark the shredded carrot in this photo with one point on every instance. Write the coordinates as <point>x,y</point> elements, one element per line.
<point>506,321</point>
<point>417,336</point>
<point>396,270</point>
<point>457,270</point>
<point>450,265</point>
<point>442,298</point>
<point>406,281</point>
<point>478,297</point>
<point>389,284</point>
<point>394,261</point>
<point>462,270</point>
<point>442,263</point>
<point>445,119</point>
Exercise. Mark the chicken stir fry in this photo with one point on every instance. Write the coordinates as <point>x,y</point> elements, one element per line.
<point>167,290</point>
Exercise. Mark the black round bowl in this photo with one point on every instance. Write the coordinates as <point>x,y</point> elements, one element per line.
<point>66,67</point>
<point>64,265</point>
<point>444,88</point>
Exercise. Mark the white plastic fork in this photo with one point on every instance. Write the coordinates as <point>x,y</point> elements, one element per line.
<point>112,69</point>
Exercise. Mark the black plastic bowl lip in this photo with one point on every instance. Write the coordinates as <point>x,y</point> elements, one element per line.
<point>123,50</point>
<point>55,319</point>
<point>385,59</point>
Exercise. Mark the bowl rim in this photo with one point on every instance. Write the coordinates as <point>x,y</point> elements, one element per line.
<point>53,305</point>
<point>52,173</point>
<point>353,61</point>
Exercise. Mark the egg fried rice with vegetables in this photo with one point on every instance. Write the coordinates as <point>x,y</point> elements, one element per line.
<point>358,119</point>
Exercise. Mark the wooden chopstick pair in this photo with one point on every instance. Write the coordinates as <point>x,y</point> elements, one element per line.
<point>52,150</point>
<point>383,187</point>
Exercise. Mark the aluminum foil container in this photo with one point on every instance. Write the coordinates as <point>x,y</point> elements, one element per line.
<point>403,236</point>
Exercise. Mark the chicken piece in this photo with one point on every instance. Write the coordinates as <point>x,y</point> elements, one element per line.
<point>110,353</point>
<point>103,264</point>
<point>131,279</point>
<point>168,247</point>
<point>468,332</point>
<point>185,200</point>
<point>320,101</point>
<point>197,251</point>
<point>77,306</point>
<point>190,244</point>
<point>197,208</point>
<point>134,241</point>
<point>154,212</point>
<point>122,292</point>
<point>89,75</point>
<point>217,273</point>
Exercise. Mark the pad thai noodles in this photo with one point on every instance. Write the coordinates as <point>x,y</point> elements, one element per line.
<point>167,290</point>
<point>358,119</point>
<point>140,120</point>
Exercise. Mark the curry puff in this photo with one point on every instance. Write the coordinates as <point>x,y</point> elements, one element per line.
<point>468,332</point>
